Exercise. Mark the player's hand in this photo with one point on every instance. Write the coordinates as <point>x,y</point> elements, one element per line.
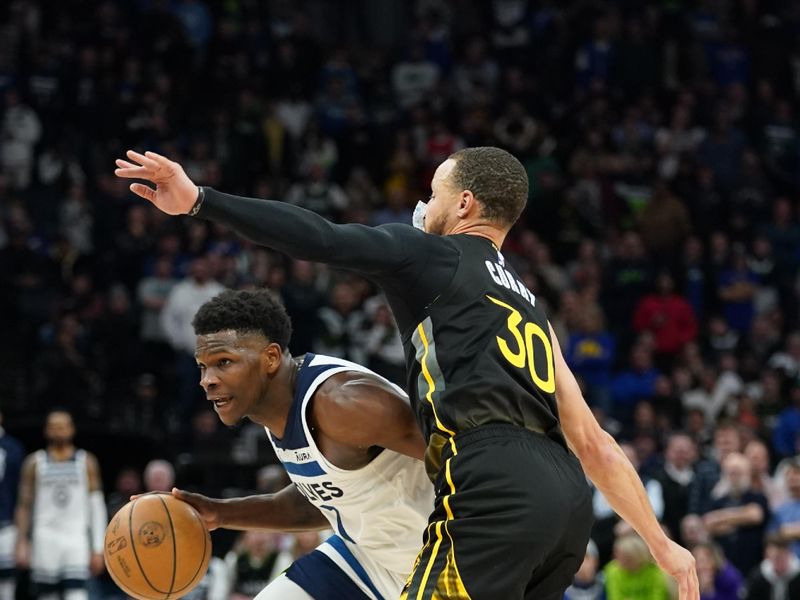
<point>175,194</point>
<point>23,554</point>
<point>97,564</point>
<point>679,562</point>
<point>207,508</point>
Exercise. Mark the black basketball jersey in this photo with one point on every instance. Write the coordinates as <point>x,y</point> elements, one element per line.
<point>482,354</point>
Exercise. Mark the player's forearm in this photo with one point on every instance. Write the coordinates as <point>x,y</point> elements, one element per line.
<point>614,475</point>
<point>22,521</point>
<point>297,232</point>
<point>278,512</point>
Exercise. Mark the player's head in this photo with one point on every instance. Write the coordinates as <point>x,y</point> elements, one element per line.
<point>59,428</point>
<point>241,339</point>
<point>480,185</point>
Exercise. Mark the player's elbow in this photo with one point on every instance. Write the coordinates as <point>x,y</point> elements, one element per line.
<point>594,448</point>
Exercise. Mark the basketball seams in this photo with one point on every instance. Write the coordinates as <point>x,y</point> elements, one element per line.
<point>174,549</point>
<point>136,555</point>
<point>205,549</point>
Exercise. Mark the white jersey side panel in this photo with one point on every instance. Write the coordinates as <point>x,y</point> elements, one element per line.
<point>383,507</point>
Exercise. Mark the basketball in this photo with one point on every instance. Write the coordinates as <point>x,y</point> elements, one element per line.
<point>156,546</point>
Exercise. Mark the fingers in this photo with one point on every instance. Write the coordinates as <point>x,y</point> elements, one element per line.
<point>187,496</point>
<point>689,586</point>
<point>161,160</point>
<point>134,173</point>
<point>683,589</point>
<point>142,160</point>
<point>144,191</point>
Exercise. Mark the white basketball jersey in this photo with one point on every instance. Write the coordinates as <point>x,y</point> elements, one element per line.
<point>383,507</point>
<point>61,503</point>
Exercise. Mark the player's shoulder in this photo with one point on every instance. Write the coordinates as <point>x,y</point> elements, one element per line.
<point>91,459</point>
<point>409,233</point>
<point>31,460</point>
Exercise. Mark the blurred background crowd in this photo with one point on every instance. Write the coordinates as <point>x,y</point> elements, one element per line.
<point>662,142</point>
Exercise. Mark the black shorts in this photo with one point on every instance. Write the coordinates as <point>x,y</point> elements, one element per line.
<point>511,519</point>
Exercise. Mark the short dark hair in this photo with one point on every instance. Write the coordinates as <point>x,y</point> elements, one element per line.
<point>496,179</point>
<point>245,311</point>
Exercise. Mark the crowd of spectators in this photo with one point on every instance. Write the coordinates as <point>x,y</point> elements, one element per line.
<point>662,234</point>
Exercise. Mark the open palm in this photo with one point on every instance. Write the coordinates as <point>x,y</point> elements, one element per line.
<point>175,194</point>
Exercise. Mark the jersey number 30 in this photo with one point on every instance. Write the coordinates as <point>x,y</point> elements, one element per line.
<point>523,353</point>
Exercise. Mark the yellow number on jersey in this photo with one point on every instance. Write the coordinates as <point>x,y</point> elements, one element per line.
<point>524,347</point>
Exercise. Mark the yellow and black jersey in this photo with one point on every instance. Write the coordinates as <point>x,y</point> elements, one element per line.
<point>477,345</point>
<point>482,352</point>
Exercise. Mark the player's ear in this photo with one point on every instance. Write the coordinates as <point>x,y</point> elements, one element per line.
<point>467,204</point>
<point>271,358</point>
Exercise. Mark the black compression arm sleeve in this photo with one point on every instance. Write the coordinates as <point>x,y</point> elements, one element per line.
<point>399,257</point>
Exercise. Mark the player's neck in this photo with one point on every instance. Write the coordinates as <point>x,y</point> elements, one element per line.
<point>279,398</point>
<point>481,229</point>
<point>61,451</point>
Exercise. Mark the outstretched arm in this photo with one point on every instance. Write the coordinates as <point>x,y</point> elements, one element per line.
<point>396,250</point>
<point>287,511</point>
<point>614,475</point>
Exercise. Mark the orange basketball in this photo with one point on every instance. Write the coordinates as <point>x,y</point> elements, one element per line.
<point>157,547</point>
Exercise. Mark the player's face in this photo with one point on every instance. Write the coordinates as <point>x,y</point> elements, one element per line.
<point>440,214</point>
<point>59,428</point>
<point>231,373</point>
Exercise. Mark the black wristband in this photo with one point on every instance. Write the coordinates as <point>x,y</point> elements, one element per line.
<point>201,195</point>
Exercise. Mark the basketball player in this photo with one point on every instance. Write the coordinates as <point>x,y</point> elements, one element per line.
<point>502,414</point>
<point>11,455</point>
<point>347,438</point>
<point>61,506</point>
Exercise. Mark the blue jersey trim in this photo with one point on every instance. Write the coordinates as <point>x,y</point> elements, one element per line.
<point>339,525</point>
<point>323,579</point>
<point>294,436</point>
<point>338,544</point>
<point>309,469</point>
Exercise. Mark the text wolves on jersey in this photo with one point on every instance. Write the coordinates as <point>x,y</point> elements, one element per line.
<point>324,491</point>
